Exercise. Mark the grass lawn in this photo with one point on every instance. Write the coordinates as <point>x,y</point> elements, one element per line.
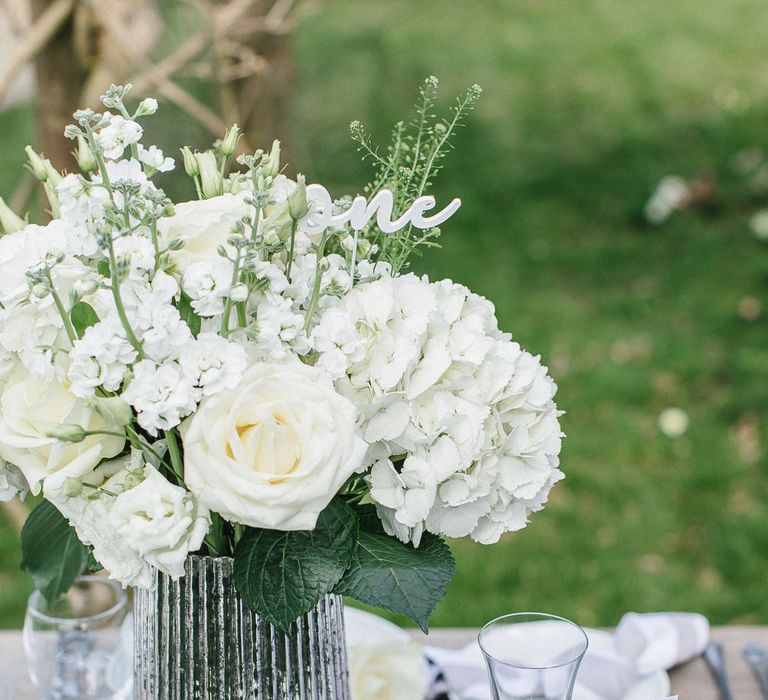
<point>586,105</point>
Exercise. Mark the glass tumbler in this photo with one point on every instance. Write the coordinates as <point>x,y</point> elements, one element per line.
<point>79,647</point>
<point>532,656</point>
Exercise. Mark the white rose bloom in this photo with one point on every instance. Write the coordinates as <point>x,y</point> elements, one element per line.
<point>273,452</point>
<point>208,285</point>
<point>153,157</point>
<point>30,409</point>
<point>384,662</point>
<point>203,226</point>
<point>161,394</point>
<point>162,522</point>
<point>90,513</point>
<point>117,135</point>
<point>99,359</point>
<point>473,413</point>
<point>213,363</point>
<point>12,482</point>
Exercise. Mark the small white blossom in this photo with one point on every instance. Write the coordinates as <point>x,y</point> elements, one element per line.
<point>147,107</point>
<point>161,395</point>
<point>335,338</point>
<point>135,251</point>
<point>153,157</point>
<point>99,359</point>
<point>117,135</point>
<point>81,203</point>
<point>208,285</point>
<point>213,363</point>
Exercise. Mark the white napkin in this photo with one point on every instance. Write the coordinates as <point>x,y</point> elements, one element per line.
<point>643,644</point>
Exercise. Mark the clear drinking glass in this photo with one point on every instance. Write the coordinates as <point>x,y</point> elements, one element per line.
<point>79,647</point>
<point>532,656</point>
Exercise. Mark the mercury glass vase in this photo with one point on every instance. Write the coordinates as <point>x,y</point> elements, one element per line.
<point>195,639</point>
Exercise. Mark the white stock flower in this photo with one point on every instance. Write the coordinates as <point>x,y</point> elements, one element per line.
<point>273,452</point>
<point>279,329</point>
<point>202,226</point>
<point>117,135</point>
<point>30,409</point>
<point>135,251</point>
<point>161,394</point>
<point>154,158</point>
<point>81,203</point>
<point>473,413</point>
<point>208,285</point>
<point>99,359</point>
<point>213,363</point>
<point>162,522</point>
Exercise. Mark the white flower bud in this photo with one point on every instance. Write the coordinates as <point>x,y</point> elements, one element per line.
<point>113,410</point>
<point>36,164</point>
<point>297,200</point>
<point>68,432</point>
<point>9,221</point>
<point>84,287</point>
<point>238,293</point>
<point>147,107</point>
<point>84,155</point>
<point>71,488</point>
<point>190,162</point>
<point>40,290</point>
<point>210,176</point>
<point>271,164</point>
<point>229,143</point>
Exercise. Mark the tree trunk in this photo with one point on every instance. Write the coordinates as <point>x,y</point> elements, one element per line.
<point>59,77</point>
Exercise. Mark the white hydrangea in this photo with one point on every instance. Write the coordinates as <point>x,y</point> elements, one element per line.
<point>438,382</point>
<point>132,515</point>
<point>207,283</point>
<point>161,395</point>
<point>212,363</point>
<point>118,135</point>
<point>100,359</point>
<point>154,158</point>
<point>335,338</point>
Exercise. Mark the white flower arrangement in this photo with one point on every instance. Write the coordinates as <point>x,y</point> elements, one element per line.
<point>253,366</point>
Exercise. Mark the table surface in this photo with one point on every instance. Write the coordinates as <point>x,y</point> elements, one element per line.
<point>691,681</point>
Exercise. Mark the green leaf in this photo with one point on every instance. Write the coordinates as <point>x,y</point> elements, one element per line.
<point>188,314</point>
<point>388,574</point>
<point>51,551</point>
<point>283,575</point>
<point>83,316</point>
<point>103,268</point>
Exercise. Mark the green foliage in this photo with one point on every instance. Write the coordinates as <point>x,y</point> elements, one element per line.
<point>282,575</point>
<point>188,314</point>
<point>409,166</point>
<point>83,317</point>
<point>397,577</point>
<point>51,551</point>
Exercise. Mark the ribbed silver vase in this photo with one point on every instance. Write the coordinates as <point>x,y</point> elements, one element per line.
<point>195,639</point>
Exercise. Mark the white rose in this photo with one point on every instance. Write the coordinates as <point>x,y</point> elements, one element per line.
<point>384,662</point>
<point>273,452</point>
<point>203,226</point>
<point>160,521</point>
<point>30,409</point>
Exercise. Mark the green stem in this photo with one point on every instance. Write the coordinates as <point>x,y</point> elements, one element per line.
<point>316,286</point>
<point>175,453</point>
<point>68,327</point>
<point>115,287</point>
<point>153,233</point>
<point>294,226</point>
<point>228,303</point>
<point>99,161</point>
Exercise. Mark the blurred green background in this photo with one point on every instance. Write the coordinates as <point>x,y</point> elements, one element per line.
<point>587,104</point>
